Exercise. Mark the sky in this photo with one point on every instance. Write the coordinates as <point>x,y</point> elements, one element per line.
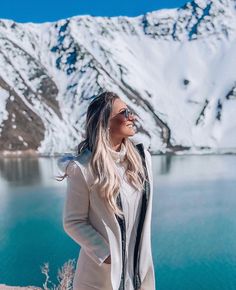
<point>53,10</point>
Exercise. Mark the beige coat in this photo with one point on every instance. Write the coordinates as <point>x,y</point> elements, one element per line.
<point>89,223</point>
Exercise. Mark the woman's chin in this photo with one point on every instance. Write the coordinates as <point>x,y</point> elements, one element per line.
<point>131,134</point>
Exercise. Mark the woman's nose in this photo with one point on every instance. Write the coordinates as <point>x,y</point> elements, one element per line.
<point>133,117</point>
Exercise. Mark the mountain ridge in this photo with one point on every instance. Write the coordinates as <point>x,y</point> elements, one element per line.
<point>163,64</point>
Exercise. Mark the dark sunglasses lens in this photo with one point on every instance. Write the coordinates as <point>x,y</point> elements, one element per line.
<point>127,113</point>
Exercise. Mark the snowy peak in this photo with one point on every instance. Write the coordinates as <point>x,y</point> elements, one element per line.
<point>194,20</point>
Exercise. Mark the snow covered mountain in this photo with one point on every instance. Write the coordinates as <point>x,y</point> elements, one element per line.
<point>174,67</point>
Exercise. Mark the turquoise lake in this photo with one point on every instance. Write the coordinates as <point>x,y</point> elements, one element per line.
<point>193,222</point>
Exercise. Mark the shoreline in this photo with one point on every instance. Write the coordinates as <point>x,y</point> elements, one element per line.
<point>7,287</point>
<point>191,152</point>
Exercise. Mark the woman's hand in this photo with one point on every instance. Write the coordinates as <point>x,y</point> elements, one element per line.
<point>108,260</point>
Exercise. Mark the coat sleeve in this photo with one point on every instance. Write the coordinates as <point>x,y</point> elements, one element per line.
<point>75,216</point>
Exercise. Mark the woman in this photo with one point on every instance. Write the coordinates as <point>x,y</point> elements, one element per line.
<point>109,201</point>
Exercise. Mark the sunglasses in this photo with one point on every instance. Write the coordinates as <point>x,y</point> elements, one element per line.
<point>125,114</point>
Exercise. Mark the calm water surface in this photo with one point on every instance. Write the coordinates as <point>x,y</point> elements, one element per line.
<point>193,222</point>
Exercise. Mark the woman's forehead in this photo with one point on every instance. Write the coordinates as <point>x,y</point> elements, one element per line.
<point>118,105</point>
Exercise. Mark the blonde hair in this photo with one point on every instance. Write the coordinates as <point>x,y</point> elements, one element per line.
<point>101,163</point>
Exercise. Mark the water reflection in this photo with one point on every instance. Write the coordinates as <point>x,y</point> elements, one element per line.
<point>20,171</point>
<point>165,164</point>
<point>28,171</point>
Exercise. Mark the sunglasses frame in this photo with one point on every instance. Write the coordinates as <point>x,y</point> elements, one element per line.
<point>125,113</point>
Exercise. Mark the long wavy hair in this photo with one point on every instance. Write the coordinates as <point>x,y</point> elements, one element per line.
<point>101,163</point>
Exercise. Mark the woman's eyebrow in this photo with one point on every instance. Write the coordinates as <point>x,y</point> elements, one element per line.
<point>123,108</point>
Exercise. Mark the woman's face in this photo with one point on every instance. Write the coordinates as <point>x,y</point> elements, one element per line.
<point>119,124</point>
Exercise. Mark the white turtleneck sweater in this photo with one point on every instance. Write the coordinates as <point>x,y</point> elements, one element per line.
<point>131,202</point>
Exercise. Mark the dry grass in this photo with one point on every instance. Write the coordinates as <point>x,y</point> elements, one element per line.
<point>64,276</point>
